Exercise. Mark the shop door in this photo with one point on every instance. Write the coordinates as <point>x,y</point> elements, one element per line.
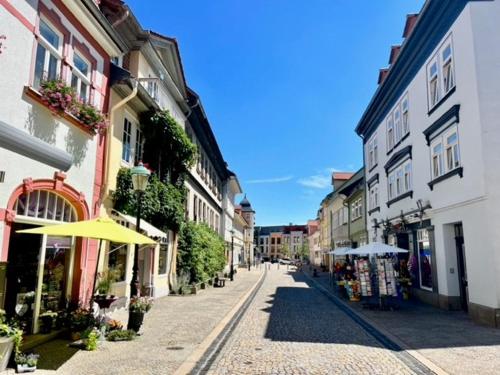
<point>462,267</point>
<point>22,270</point>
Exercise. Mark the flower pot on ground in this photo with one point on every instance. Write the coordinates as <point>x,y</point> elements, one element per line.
<point>10,340</point>
<point>137,308</point>
<point>26,362</point>
<point>135,319</point>
<point>47,319</point>
<point>122,335</point>
<point>79,321</point>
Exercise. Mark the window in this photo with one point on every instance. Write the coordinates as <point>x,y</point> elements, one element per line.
<point>405,116</point>
<point>452,156</point>
<point>80,79</point>
<point>440,73</point>
<point>445,153</point>
<point>117,260</point>
<point>195,207</point>
<point>162,260</point>
<point>152,88</point>
<point>372,152</point>
<point>44,204</point>
<point>48,54</point>
<point>126,140</point>
<point>390,133</point>
<point>433,84</point>
<point>356,209</point>
<point>399,180</point>
<point>398,132</point>
<point>139,141</point>
<point>437,160</point>
<point>448,78</point>
<point>373,199</point>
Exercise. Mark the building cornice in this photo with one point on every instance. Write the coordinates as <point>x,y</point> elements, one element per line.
<point>433,23</point>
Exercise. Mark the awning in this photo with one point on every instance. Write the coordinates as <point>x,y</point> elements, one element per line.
<point>340,251</point>
<point>150,230</point>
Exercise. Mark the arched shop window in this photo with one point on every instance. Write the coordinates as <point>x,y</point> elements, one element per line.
<point>47,205</point>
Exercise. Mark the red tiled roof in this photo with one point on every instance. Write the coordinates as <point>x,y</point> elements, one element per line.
<point>342,175</point>
<point>411,20</point>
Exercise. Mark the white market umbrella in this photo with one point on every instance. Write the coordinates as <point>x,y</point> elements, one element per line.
<point>341,251</point>
<point>375,248</point>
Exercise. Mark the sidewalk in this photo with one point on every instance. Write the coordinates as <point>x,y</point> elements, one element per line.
<point>447,338</point>
<point>172,330</point>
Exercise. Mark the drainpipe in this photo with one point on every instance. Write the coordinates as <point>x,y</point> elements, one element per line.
<point>118,105</point>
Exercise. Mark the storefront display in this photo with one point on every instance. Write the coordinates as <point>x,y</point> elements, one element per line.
<point>363,272</point>
<point>386,278</point>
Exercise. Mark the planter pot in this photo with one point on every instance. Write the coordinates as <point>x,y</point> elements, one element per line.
<point>6,347</point>
<point>135,320</point>
<point>25,368</point>
<point>47,322</point>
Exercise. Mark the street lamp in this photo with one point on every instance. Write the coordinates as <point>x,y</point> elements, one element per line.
<point>232,255</point>
<point>140,176</point>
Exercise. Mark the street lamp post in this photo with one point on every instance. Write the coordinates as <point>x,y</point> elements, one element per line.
<point>140,176</point>
<point>232,255</point>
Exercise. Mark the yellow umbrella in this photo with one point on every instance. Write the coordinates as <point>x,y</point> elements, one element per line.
<point>101,229</point>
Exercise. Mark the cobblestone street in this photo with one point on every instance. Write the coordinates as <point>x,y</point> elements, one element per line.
<point>291,328</point>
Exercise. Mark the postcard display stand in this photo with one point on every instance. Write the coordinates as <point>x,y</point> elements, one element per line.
<point>386,278</point>
<point>363,269</point>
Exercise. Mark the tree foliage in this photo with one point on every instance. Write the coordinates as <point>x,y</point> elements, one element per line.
<point>167,149</point>
<point>162,203</point>
<point>201,252</point>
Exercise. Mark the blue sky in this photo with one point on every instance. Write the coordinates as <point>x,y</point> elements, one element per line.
<point>284,83</point>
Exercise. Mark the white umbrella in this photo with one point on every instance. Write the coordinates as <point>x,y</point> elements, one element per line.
<point>341,251</point>
<point>374,248</point>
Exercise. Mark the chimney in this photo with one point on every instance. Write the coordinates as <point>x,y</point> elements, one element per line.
<point>411,20</point>
<point>382,74</point>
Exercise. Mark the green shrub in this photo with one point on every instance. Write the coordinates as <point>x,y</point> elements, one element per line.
<point>119,335</point>
<point>200,252</point>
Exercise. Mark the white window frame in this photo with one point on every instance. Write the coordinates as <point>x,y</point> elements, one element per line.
<point>373,198</point>
<point>405,115</point>
<point>398,132</point>
<point>442,156</point>
<point>447,63</point>
<point>390,132</point>
<point>372,151</point>
<point>50,50</point>
<point>127,140</point>
<point>81,77</point>
<point>399,180</point>
<point>139,145</point>
<point>434,79</point>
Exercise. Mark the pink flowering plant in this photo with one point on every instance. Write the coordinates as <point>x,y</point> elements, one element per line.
<point>141,304</point>
<point>62,98</point>
<point>57,95</point>
<point>90,116</point>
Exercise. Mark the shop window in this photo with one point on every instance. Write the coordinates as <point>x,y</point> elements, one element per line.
<point>117,260</point>
<point>43,204</point>
<point>424,259</point>
<point>162,261</point>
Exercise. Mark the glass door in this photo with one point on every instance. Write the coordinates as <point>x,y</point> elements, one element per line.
<point>424,259</point>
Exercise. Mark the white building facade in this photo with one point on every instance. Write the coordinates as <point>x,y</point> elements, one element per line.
<point>431,143</point>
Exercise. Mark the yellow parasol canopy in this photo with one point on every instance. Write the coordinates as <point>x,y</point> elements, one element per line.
<point>101,229</point>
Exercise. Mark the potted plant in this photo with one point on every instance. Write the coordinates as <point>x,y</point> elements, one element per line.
<point>57,95</point>
<point>121,335</point>
<point>10,340</point>
<point>47,319</point>
<point>137,308</point>
<point>26,362</point>
<point>79,321</point>
<point>113,325</point>
<point>90,116</point>
<point>91,338</point>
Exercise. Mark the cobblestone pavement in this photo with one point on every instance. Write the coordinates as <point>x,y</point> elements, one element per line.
<point>447,338</point>
<point>171,331</point>
<point>291,328</point>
